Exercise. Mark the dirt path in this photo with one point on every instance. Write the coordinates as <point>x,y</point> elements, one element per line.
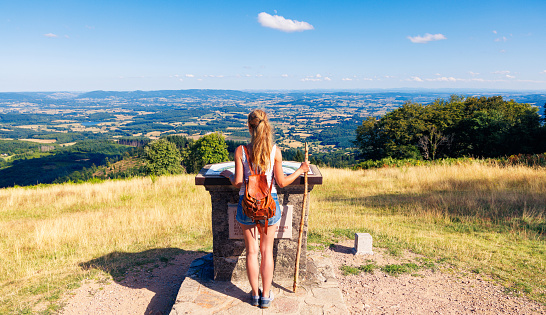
<point>151,289</point>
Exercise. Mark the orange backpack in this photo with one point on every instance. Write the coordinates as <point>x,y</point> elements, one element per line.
<point>258,204</point>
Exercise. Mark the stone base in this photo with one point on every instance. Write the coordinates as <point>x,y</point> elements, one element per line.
<point>229,254</point>
<point>320,294</point>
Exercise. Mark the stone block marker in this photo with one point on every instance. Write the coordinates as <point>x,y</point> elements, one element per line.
<point>363,244</point>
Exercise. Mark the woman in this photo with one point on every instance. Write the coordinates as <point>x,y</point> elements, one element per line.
<point>264,156</point>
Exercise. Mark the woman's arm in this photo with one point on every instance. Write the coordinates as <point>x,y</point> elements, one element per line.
<point>237,178</point>
<point>282,180</point>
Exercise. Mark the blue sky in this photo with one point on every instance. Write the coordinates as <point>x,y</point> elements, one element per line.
<point>245,45</point>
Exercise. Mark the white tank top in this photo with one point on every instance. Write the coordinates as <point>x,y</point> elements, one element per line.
<point>269,173</point>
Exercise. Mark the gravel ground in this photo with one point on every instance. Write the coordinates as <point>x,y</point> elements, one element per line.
<point>150,290</point>
<point>146,290</point>
<point>425,291</point>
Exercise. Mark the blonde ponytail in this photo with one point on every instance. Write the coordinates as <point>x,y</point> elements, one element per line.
<point>261,139</point>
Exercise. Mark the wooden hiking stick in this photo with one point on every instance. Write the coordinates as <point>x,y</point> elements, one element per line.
<point>301,222</point>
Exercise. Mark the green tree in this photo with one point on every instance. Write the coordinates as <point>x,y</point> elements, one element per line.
<point>211,148</point>
<point>485,127</point>
<point>299,156</point>
<point>163,158</point>
<point>431,143</point>
<point>181,142</point>
<point>370,139</point>
<point>492,127</point>
<point>396,134</point>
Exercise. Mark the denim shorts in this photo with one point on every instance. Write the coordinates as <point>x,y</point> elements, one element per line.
<point>244,219</point>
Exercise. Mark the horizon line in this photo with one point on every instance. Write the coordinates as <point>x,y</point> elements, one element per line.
<point>294,90</point>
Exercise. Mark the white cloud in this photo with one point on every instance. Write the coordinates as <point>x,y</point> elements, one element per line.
<point>444,79</point>
<point>504,78</point>
<point>207,76</point>
<point>427,38</point>
<point>189,76</point>
<point>494,32</point>
<point>280,23</point>
<point>90,27</point>
<point>501,39</point>
<point>316,78</point>
<point>51,35</point>
<point>66,36</point>
<point>346,79</point>
<point>543,72</point>
<point>473,73</point>
<point>284,75</point>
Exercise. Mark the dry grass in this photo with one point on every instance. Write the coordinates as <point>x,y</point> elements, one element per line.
<point>46,141</point>
<point>479,218</point>
<point>46,232</point>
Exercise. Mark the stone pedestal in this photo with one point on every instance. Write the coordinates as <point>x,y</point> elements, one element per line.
<point>229,254</point>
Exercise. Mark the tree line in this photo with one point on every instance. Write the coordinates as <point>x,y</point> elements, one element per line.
<point>485,127</point>
<point>178,154</point>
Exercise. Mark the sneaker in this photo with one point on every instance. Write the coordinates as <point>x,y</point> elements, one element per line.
<point>256,299</point>
<point>266,302</point>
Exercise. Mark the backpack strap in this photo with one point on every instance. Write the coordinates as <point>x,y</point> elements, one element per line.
<point>248,160</point>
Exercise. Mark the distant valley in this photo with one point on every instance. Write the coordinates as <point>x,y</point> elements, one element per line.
<point>326,119</point>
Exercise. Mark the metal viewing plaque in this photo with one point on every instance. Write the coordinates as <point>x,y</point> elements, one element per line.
<point>210,174</point>
<point>287,167</point>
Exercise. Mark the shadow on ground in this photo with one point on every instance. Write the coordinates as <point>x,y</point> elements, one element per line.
<point>202,271</point>
<point>341,249</point>
<point>160,270</point>
<point>514,209</point>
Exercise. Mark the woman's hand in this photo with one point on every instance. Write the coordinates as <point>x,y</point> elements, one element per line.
<point>304,167</point>
<point>226,173</point>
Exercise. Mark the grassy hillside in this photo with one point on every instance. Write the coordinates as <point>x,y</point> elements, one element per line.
<point>46,232</point>
<point>478,218</point>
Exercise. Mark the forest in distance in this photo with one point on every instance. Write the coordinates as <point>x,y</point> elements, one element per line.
<point>58,137</point>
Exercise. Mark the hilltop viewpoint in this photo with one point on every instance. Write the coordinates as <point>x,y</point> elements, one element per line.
<point>478,224</point>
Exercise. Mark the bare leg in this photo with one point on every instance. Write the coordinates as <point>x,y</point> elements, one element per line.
<point>251,244</point>
<point>267,264</point>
